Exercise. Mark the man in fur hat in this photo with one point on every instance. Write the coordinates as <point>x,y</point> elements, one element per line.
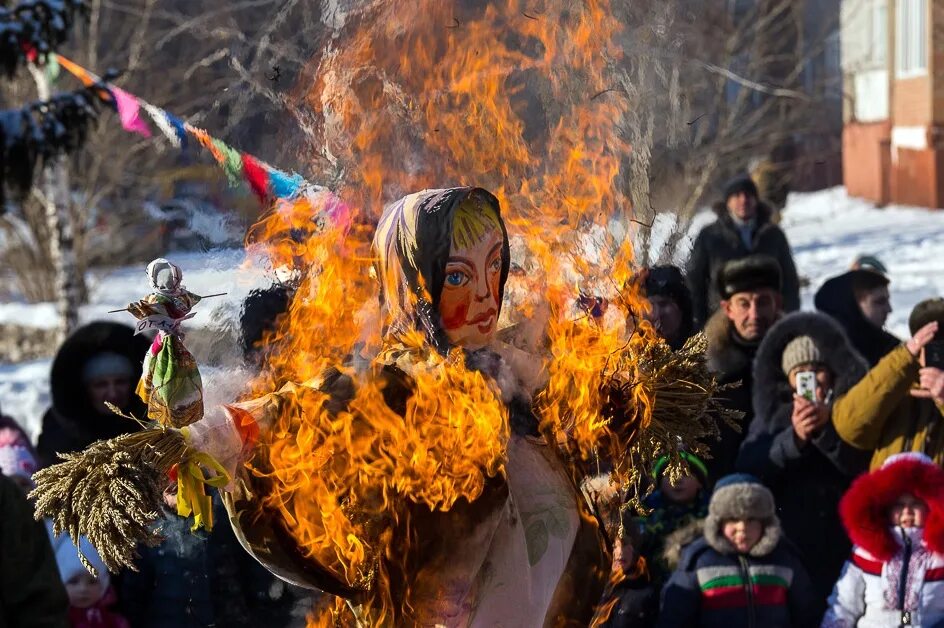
<point>751,303</point>
<point>744,227</point>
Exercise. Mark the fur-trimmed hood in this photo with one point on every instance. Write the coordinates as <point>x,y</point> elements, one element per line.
<point>677,541</point>
<point>72,409</point>
<point>725,355</point>
<point>772,389</point>
<point>864,508</point>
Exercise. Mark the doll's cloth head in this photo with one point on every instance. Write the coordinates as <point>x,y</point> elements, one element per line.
<point>164,276</point>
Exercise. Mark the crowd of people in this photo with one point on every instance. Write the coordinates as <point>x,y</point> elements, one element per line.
<point>825,508</point>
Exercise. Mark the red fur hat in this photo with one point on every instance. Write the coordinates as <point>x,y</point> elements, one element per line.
<point>865,506</point>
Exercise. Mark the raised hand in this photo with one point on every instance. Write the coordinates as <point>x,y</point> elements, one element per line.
<point>922,337</point>
<point>808,418</point>
<point>931,381</point>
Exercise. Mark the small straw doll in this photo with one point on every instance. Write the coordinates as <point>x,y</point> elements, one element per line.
<point>170,382</point>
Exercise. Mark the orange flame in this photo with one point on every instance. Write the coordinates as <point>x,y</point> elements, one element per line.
<point>520,99</point>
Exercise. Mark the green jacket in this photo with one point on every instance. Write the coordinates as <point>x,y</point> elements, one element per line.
<point>31,592</point>
<point>878,414</point>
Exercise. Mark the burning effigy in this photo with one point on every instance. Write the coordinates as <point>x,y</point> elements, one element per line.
<point>465,350</point>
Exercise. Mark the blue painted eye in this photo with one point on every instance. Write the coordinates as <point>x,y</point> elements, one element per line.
<point>455,279</point>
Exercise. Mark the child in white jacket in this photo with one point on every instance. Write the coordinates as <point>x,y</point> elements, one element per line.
<point>895,517</point>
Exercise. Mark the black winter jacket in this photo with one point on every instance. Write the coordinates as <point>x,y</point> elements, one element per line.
<point>31,591</point>
<point>719,243</point>
<point>193,580</point>
<point>807,482</point>
<point>731,359</point>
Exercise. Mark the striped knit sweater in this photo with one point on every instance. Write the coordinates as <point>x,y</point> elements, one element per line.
<point>721,589</point>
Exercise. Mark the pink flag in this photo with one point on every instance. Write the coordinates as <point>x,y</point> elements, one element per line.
<point>129,111</point>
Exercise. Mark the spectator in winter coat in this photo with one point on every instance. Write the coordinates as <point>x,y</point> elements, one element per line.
<point>791,444</point>
<point>859,301</point>
<point>672,505</point>
<point>751,304</point>
<point>99,362</point>
<point>671,302</point>
<point>18,460</point>
<point>741,572</point>
<point>897,407</point>
<point>895,517</point>
<point>90,597</point>
<point>743,228</point>
<point>31,593</point>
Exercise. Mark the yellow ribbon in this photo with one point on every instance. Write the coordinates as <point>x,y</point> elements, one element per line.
<point>192,498</point>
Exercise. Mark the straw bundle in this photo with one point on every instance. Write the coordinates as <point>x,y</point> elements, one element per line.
<point>683,413</point>
<point>111,492</point>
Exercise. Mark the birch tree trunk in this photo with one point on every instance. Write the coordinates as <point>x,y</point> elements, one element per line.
<point>55,196</point>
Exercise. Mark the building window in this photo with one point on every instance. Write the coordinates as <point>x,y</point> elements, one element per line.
<point>911,35</point>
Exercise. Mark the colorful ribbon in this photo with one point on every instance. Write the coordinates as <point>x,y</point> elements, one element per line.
<point>192,498</point>
<point>266,182</point>
<point>129,110</point>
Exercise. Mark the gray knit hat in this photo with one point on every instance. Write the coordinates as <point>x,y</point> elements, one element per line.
<point>800,350</point>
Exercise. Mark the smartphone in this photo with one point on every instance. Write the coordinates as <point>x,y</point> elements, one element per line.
<point>806,385</point>
<point>934,354</point>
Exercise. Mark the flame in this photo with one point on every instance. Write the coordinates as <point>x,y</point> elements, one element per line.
<point>520,98</point>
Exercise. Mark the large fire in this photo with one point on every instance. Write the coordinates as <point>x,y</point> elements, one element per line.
<point>516,97</point>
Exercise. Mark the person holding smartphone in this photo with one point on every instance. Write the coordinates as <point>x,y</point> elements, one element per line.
<point>899,405</point>
<point>804,362</point>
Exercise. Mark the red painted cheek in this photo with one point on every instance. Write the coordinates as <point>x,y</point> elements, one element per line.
<point>454,309</point>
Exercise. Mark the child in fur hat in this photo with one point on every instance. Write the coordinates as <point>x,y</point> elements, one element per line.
<point>90,597</point>
<point>741,572</point>
<point>895,517</point>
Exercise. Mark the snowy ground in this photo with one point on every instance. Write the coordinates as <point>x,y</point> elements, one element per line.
<point>826,230</point>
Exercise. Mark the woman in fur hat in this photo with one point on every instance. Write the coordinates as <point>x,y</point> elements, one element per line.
<point>895,517</point>
<point>741,572</point>
<point>791,443</point>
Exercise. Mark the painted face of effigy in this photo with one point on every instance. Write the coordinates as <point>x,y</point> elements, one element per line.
<point>469,303</point>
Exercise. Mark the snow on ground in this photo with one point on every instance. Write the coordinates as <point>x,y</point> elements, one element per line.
<point>826,229</point>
